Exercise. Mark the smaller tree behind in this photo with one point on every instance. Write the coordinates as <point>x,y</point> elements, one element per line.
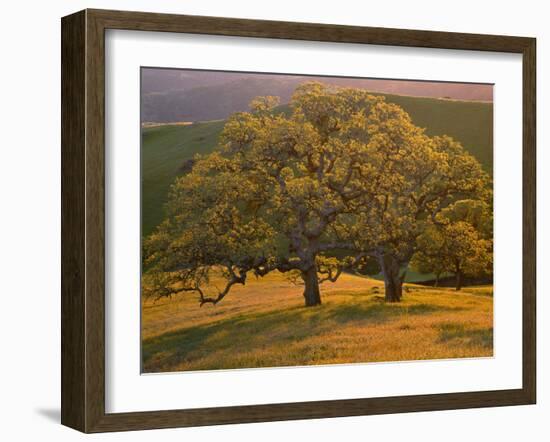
<point>457,242</point>
<point>429,258</point>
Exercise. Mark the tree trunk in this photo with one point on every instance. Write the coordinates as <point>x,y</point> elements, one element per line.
<point>393,279</point>
<point>458,277</point>
<point>436,284</point>
<point>312,294</point>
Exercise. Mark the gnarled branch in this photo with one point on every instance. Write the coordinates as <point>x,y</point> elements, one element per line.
<point>234,279</point>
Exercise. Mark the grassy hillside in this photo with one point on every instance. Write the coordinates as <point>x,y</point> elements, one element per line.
<point>264,324</point>
<point>165,148</point>
<point>163,151</point>
<point>469,122</point>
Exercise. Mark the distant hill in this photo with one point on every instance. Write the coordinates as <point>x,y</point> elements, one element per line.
<point>165,149</point>
<point>166,80</point>
<point>212,102</point>
<point>182,96</point>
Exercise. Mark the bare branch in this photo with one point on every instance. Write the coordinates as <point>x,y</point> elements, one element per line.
<point>331,274</point>
<point>235,279</point>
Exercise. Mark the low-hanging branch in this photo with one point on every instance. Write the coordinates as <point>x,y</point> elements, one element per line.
<point>235,279</point>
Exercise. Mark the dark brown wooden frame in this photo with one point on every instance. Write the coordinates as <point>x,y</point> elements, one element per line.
<point>83,216</point>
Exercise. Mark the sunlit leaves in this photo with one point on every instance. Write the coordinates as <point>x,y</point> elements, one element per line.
<point>459,241</point>
<point>344,171</point>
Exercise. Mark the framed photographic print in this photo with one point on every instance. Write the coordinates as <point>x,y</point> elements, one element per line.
<point>268,221</point>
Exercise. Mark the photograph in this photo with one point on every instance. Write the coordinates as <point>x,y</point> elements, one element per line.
<point>296,220</point>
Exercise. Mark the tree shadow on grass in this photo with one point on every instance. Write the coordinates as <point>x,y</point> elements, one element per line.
<point>458,334</point>
<point>382,312</point>
<point>247,332</point>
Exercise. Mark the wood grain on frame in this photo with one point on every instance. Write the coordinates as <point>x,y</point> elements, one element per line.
<point>83,219</point>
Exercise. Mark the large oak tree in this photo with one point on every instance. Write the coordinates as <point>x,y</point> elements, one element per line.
<point>316,189</point>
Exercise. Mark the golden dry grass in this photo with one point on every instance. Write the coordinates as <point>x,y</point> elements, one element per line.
<point>264,324</point>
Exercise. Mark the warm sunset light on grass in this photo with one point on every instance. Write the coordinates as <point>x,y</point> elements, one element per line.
<point>265,325</point>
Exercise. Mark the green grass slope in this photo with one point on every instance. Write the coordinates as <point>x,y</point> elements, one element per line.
<point>165,148</point>
<point>469,122</point>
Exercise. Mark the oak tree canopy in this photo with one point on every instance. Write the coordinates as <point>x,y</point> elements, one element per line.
<point>339,177</point>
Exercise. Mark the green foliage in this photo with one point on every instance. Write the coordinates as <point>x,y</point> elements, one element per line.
<point>166,148</point>
<point>459,241</point>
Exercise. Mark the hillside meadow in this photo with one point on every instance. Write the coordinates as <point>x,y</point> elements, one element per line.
<point>264,324</point>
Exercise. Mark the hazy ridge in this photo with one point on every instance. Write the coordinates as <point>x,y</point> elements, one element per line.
<point>183,96</point>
